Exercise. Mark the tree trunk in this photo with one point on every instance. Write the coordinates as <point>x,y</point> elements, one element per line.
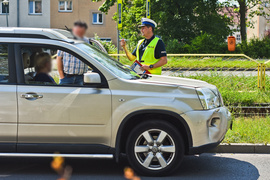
<point>242,11</point>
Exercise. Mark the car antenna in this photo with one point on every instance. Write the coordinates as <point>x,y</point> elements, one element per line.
<point>68,29</point>
<point>71,32</point>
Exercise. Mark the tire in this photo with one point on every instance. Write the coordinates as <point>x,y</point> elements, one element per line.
<point>155,148</point>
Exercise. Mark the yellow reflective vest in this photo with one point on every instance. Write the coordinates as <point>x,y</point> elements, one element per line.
<point>148,56</point>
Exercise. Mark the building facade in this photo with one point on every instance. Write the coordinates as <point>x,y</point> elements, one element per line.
<point>64,13</point>
<point>26,13</point>
<point>261,24</point>
<point>58,14</point>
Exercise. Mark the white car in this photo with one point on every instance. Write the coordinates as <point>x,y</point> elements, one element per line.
<point>154,120</point>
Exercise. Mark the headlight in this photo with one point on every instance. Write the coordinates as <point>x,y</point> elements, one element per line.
<point>209,98</point>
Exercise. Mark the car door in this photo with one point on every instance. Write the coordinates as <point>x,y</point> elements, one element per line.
<point>8,99</point>
<point>59,116</point>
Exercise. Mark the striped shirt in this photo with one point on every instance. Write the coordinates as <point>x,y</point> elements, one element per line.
<point>71,64</point>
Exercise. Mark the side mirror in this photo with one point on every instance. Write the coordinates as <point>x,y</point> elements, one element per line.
<point>92,78</point>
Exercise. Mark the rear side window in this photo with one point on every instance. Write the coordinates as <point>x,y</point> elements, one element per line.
<point>4,72</point>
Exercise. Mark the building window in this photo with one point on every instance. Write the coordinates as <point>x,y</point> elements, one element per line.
<point>4,9</point>
<point>97,18</point>
<point>35,7</point>
<point>238,37</point>
<point>65,6</point>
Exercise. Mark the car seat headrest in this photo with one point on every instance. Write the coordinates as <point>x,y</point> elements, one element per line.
<point>26,60</point>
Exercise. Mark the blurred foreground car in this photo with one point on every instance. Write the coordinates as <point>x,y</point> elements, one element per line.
<point>154,120</point>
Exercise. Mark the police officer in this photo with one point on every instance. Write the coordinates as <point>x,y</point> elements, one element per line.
<point>149,51</point>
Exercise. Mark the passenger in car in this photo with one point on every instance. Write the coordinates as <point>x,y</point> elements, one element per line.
<point>43,66</point>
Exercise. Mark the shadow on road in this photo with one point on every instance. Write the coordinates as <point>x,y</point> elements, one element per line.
<point>206,166</point>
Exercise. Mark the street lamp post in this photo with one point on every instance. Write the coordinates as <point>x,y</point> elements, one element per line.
<point>6,2</point>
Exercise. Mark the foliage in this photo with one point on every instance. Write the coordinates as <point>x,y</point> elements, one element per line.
<point>109,46</point>
<point>178,19</point>
<point>249,130</point>
<point>256,48</point>
<point>184,20</point>
<point>173,46</point>
<point>206,43</point>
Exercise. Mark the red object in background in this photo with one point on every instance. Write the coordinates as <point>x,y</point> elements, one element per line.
<point>231,43</point>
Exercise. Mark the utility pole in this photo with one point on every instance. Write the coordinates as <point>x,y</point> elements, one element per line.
<point>18,13</point>
<point>148,12</point>
<point>119,24</point>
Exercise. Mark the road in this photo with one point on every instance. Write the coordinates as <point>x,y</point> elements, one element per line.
<point>205,166</point>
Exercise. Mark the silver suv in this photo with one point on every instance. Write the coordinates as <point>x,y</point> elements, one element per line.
<point>153,120</point>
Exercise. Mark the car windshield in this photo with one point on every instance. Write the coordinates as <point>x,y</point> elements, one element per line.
<point>113,65</point>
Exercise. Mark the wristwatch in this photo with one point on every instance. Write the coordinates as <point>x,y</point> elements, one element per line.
<point>151,66</point>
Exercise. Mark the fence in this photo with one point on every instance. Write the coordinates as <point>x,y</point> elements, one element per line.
<point>241,80</point>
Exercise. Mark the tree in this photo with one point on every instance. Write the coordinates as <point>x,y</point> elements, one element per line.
<point>249,9</point>
<point>177,19</point>
<point>184,20</point>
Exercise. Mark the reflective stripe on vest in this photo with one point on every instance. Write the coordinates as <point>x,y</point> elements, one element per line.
<point>149,55</point>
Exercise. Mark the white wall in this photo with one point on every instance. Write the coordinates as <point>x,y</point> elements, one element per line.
<point>12,16</point>
<point>28,20</point>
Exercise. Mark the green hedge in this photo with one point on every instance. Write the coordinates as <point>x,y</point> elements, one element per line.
<point>207,44</point>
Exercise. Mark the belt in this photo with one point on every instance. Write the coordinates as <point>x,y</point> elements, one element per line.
<point>72,75</point>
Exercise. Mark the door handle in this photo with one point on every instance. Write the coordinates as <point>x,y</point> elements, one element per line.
<point>31,96</point>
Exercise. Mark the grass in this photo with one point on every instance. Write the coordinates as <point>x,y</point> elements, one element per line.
<point>237,90</point>
<point>249,130</point>
<point>192,62</point>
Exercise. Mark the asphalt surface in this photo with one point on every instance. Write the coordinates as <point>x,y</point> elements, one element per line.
<point>205,166</point>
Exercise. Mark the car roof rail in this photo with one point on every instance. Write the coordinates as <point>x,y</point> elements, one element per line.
<point>39,33</point>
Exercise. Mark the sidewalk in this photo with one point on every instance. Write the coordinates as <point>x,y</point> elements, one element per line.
<point>242,148</point>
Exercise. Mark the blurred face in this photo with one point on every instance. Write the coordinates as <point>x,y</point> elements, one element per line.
<point>146,31</point>
<point>79,31</point>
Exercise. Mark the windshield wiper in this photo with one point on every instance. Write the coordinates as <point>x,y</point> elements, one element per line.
<point>145,76</point>
<point>135,77</point>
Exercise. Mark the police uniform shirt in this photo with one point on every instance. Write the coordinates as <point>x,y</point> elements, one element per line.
<point>160,50</point>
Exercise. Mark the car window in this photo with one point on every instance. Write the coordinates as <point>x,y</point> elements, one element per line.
<point>40,67</point>
<point>113,65</point>
<point>4,72</point>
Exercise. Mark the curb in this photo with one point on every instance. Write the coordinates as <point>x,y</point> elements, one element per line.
<point>242,148</point>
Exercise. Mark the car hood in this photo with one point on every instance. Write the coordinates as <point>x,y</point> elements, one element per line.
<point>167,80</point>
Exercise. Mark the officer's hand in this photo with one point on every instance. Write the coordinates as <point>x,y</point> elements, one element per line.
<point>145,68</point>
<point>123,43</point>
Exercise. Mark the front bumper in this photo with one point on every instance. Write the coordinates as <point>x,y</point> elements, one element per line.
<point>207,127</point>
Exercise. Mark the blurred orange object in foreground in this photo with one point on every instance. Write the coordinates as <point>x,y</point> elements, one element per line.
<point>57,163</point>
<point>231,43</point>
<point>129,174</point>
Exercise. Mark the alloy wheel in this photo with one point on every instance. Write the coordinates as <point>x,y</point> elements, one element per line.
<point>154,149</point>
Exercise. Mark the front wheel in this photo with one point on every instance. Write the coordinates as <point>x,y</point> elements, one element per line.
<point>155,148</point>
